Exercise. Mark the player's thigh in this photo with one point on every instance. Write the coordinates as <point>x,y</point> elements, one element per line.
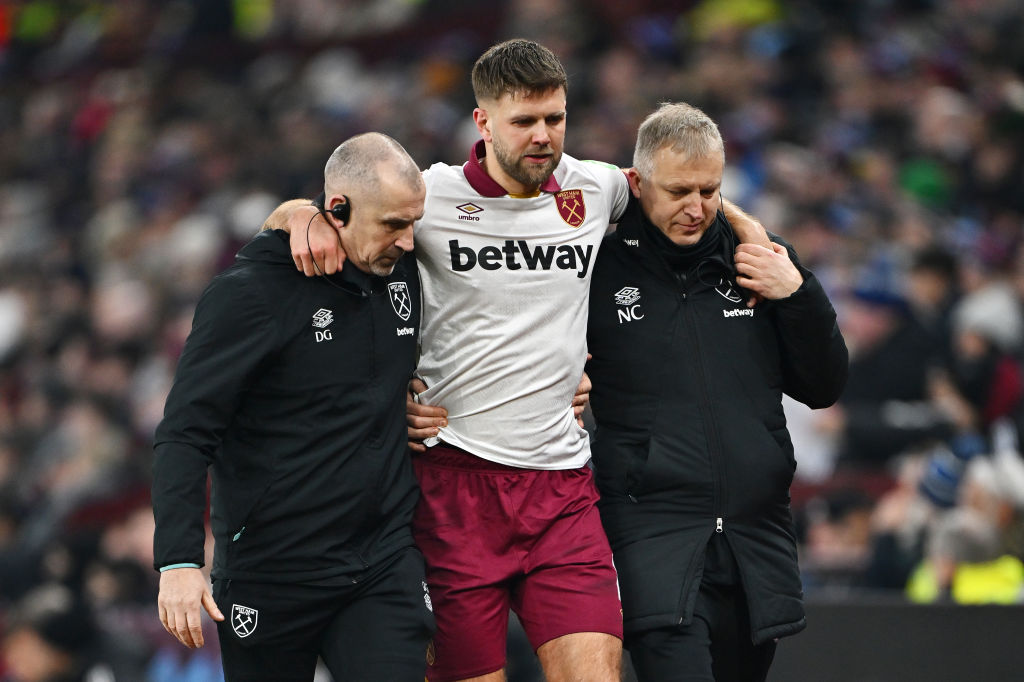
<point>383,632</point>
<point>571,586</point>
<point>472,632</point>
<point>270,632</point>
<point>591,656</point>
<point>462,527</point>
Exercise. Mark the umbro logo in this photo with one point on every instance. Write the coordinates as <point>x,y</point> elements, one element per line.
<point>469,211</point>
<point>627,297</point>
<point>322,318</point>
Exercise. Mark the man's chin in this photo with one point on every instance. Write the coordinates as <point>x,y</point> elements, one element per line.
<point>537,174</point>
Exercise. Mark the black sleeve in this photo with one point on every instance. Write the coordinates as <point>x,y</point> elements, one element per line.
<point>232,334</point>
<point>814,357</point>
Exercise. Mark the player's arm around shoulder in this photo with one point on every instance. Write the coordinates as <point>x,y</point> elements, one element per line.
<point>613,185</point>
<point>748,229</point>
<point>768,271</point>
<point>316,248</point>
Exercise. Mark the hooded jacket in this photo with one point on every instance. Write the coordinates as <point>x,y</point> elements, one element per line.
<point>292,392</point>
<point>691,436</point>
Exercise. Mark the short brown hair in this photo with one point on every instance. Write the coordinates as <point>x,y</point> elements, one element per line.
<point>517,67</point>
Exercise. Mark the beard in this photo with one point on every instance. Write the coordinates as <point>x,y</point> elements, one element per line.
<point>384,264</point>
<point>529,175</point>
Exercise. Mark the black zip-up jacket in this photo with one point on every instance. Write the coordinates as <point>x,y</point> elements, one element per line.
<point>691,437</point>
<point>292,391</point>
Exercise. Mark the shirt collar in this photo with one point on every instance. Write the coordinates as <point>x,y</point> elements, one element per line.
<point>484,184</point>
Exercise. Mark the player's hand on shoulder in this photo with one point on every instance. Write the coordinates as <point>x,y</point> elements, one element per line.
<point>315,245</point>
<point>767,272</point>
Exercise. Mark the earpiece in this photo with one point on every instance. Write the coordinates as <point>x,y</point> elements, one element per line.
<point>341,212</point>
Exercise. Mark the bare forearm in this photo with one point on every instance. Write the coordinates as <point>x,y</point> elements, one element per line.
<point>278,220</point>
<point>746,227</point>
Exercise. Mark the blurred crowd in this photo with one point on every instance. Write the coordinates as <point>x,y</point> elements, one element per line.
<point>143,141</point>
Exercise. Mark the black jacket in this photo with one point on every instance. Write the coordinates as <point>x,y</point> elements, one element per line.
<point>292,391</point>
<point>691,434</point>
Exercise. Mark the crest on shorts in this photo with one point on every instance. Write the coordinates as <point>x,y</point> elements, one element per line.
<point>400,301</point>
<point>243,620</point>
<point>571,207</point>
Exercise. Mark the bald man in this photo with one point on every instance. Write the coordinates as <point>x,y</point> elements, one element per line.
<point>291,392</point>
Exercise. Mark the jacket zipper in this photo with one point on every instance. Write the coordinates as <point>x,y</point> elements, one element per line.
<point>707,412</point>
<point>373,340</point>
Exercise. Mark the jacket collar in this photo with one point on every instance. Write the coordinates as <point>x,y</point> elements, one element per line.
<point>632,232</point>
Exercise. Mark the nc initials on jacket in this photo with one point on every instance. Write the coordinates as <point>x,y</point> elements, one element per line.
<point>630,313</point>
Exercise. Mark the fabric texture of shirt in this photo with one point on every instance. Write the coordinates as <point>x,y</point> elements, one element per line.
<point>506,282</point>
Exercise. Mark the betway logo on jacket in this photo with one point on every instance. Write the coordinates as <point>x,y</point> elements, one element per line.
<point>515,255</point>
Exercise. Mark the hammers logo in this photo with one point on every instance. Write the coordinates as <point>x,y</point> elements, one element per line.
<point>243,620</point>
<point>571,207</point>
<point>400,300</point>
<point>728,290</point>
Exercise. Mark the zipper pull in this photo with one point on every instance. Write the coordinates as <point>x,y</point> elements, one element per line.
<point>718,525</point>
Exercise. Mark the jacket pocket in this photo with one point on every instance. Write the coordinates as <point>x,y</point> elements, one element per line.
<point>619,462</point>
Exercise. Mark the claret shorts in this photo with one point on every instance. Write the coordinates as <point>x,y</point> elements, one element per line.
<point>496,537</point>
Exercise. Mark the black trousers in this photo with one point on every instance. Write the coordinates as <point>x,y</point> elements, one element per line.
<point>715,646</point>
<point>375,629</point>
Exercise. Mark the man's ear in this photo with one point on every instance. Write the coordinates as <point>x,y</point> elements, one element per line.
<point>634,181</point>
<point>483,123</point>
<point>339,210</point>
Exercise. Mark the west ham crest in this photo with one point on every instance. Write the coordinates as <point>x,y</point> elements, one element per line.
<point>243,620</point>
<point>400,301</point>
<point>728,290</point>
<point>571,207</point>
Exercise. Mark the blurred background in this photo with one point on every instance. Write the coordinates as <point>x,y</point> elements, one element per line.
<point>143,141</point>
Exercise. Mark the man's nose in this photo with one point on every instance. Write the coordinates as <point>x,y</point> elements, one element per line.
<point>405,240</point>
<point>541,136</point>
<point>693,206</point>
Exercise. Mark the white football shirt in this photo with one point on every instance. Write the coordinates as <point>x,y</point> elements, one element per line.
<point>506,283</point>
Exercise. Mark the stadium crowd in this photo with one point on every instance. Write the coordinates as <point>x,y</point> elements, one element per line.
<point>143,141</point>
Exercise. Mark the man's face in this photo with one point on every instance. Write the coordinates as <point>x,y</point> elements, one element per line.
<point>380,229</point>
<point>524,134</point>
<point>681,197</point>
